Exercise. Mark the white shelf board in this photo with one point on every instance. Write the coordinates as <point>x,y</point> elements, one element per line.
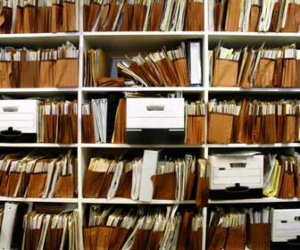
<point>143,89</point>
<point>37,145</point>
<point>244,145</point>
<point>259,200</point>
<point>253,38</point>
<point>129,201</point>
<point>39,39</point>
<point>254,90</point>
<point>32,91</point>
<point>113,145</point>
<point>47,200</point>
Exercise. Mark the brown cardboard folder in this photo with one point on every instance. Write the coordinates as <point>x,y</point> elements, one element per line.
<point>36,185</point>
<point>125,184</point>
<point>6,16</point>
<point>164,186</point>
<point>66,73</point>
<point>260,236</point>
<point>264,75</point>
<point>289,73</point>
<point>195,129</point>
<point>235,238</point>
<point>155,16</point>
<point>29,18</point>
<point>50,123</point>
<point>53,238</point>
<point>64,187</point>
<point>292,23</point>
<point>92,184</point>
<point>194,9</point>
<point>88,130</point>
<point>232,15</point>
<point>46,75</point>
<point>220,128</point>
<point>5,74</point>
<point>225,73</point>
<point>218,239</point>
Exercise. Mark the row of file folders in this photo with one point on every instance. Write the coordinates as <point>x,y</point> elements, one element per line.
<point>148,177</point>
<point>254,16</point>
<point>39,16</point>
<point>249,67</point>
<point>264,228</point>
<point>179,66</point>
<point>154,227</point>
<point>39,226</point>
<point>52,226</point>
<point>134,15</point>
<point>229,121</point>
<point>38,174</point>
<point>168,227</point>
<point>152,175</point>
<point>117,120</point>
<point>30,68</point>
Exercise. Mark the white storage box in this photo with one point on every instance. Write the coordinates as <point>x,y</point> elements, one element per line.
<point>19,120</point>
<point>236,176</point>
<point>155,120</point>
<point>285,231</point>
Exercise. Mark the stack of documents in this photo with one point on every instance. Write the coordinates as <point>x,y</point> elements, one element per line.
<point>119,133</point>
<point>253,121</point>
<point>94,121</point>
<point>282,176</point>
<point>173,68</point>
<point>226,229</point>
<point>34,68</point>
<point>259,228</point>
<point>39,16</point>
<point>195,124</point>
<point>58,121</point>
<point>255,15</point>
<point>43,230</point>
<point>258,68</point>
<point>38,175</point>
<point>106,178</point>
<point>220,120</point>
<point>147,178</point>
<point>97,70</point>
<point>150,15</point>
<point>109,227</point>
<point>100,117</point>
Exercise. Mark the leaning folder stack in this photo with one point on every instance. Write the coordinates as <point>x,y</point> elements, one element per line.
<point>48,230</point>
<point>148,178</point>
<point>258,68</point>
<point>109,227</point>
<point>253,121</point>
<point>282,176</point>
<point>180,66</point>
<point>38,175</point>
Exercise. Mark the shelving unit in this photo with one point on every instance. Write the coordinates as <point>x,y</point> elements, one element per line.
<point>133,42</point>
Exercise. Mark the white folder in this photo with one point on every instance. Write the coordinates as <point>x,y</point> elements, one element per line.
<point>150,160</point>
<point>10,210</point>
